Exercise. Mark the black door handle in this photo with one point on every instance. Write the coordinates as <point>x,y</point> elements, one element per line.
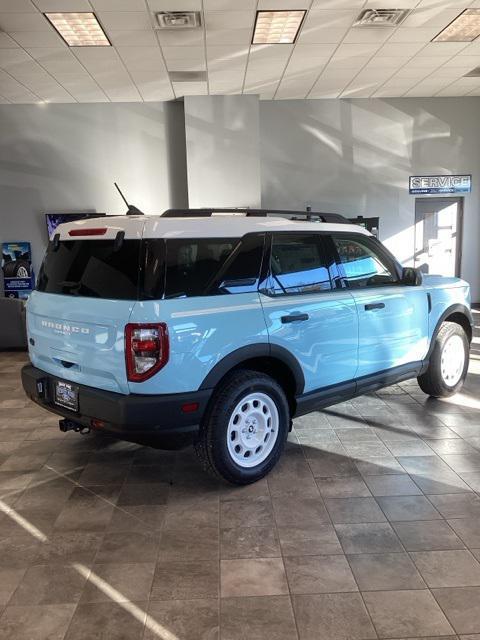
<point>299,317</point>
<point>374,305</point>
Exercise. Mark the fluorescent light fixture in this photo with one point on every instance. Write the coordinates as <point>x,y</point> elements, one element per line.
<point>465,28</point>
<point>79,29</point>
<point>277,27</point>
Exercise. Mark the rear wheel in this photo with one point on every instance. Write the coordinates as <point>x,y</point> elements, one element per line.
<point>448,365</point>
<point>244,432</point>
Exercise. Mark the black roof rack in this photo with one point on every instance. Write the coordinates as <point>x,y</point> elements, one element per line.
<point>314,216</point>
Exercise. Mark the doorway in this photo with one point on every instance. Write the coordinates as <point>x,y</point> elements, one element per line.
<point>438,235</point>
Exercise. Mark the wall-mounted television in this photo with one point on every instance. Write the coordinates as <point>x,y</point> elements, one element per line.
<point>54,219</point>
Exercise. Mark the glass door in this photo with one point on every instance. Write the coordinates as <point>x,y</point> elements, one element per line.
<point>438,232</point>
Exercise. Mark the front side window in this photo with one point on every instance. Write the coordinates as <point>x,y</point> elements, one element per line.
<point>298,264</point>
<point>361,263</point>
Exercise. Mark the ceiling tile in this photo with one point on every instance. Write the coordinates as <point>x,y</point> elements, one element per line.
<point>58,62</point>
<point>131,20</point>
<point>295,88</point>
<point>443,48</point>
<point>282,5</point>
<point>472,49</point>
<point>13,57</point>
<point>226,19</point>
<point>117,5</point>
<point>400,49</point>
<point>462,62</point>
<point>266,90</point>
<point>365,34</point>
<point>228,5</point>
<point>232,53</point>
<point>175,5</point>
<point>127,38</point>
<point>153,87</point>
<point>24,22</point>
<point>179,53</point>
<point>38,39</point>
<point>460,87</point>
<point>436,16</point>
<point>16,6</point>
<point>271,51</point>
<point>326,26</point>
<point>142,58</point>
<point>84,89</point>
<point>317,51</point>
<point>412,72</point>
<point>62,5</point>
<point>416,34</point>
<point>180,64</point>
<point>337,4</point>
<point>185,37</point>
<point>190,89</point>
<point>6,42</point>
<point>386,62</point>
<point>298,66</point>
<point>428,61</point>
<point>221,76</point>
<point>224,88</point>
<point>360,90</point>
<point>388,92</point>
<point>229,36</point>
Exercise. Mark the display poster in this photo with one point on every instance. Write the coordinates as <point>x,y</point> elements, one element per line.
<point>17,269</point>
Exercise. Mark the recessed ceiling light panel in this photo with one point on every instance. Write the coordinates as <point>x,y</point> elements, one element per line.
<point>179,19</point>
<point>79,29</point>
<point>381,17</point>
<point>277,27</point>
<point>465,28</point>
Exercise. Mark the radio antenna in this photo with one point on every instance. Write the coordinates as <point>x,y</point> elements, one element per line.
<point>131,209</point>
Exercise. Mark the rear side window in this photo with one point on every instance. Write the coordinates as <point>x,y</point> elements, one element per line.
<point>91,268</point>
<point>298,264</point>
<point>189,267</point>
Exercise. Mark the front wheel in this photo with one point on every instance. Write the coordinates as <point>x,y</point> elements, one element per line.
<point>245,429</point>
<point>448,365</point>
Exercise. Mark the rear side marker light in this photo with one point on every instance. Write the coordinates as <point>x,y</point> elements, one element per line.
<point>190,407</point>
<point>97,231</point>
<point>97,424</point>
<point>146,350</point>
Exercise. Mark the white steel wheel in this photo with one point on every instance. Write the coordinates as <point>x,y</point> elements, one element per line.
<point>252,430</point>
<point>452,360</point>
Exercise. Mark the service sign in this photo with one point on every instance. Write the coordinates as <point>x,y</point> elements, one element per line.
<point>440,184</point>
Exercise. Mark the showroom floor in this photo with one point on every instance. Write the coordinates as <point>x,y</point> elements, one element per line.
<point>368,528</point>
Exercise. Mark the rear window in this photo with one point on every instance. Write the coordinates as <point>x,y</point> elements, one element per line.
<point>92,269</point>
<point>153,269</point>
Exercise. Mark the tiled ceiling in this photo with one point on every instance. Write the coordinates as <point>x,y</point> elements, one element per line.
<point>330,59</point>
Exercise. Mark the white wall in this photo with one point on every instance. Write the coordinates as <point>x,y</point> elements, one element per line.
<point>65,158</point>
<point>354,157</point>
<point>223,154</point>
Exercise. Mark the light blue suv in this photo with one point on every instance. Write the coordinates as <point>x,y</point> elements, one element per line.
<point>222,326</point>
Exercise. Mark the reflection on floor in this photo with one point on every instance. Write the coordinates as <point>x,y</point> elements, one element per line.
<point>368,528</point>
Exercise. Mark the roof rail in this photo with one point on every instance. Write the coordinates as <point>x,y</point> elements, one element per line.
<point>314,216</point>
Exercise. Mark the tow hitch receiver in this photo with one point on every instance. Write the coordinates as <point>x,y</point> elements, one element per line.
<point>68,425</point>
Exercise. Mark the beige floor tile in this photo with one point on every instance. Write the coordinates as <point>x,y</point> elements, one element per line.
<point>427,536</point>
<point>175,580</point>
<point>319,574</point>
<point>183,619</point>
<point>257,618</point>
<point>462,607</point>
<point>131,582</point>
<point>332,616</point>
<point>249,542</point>
<point>308,540</point>
<point>46,622</point>
<point>260,577</point>
<point>397,614</point>
<point>385,571</point>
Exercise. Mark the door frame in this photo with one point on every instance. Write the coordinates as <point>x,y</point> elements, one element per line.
<point>459,233</point>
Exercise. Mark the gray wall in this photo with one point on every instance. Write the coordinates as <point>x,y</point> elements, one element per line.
<point>65,158</point>
<point>354,157</point>
<point>223,153</point>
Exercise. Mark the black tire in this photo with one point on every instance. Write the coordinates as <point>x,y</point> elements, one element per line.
<point>432,381</point>
<point>10,270</point>
<point>211,445</point>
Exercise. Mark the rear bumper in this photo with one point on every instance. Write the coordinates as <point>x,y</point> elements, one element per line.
<point>123,415</point>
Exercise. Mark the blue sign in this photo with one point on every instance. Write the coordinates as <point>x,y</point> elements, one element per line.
<point>440,184</point>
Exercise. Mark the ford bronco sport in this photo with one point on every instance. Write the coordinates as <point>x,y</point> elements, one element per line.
<point>221,327</point>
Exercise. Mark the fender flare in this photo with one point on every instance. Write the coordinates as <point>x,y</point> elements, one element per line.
<point>248,352</point>
<point>454,308</point>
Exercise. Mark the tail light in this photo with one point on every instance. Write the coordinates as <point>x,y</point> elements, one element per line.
<point>146,350</point>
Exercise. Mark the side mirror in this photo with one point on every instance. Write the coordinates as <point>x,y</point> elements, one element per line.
<point>411,277</point>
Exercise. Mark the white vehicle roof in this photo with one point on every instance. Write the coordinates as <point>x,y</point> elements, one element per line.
<point>217,226</point>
